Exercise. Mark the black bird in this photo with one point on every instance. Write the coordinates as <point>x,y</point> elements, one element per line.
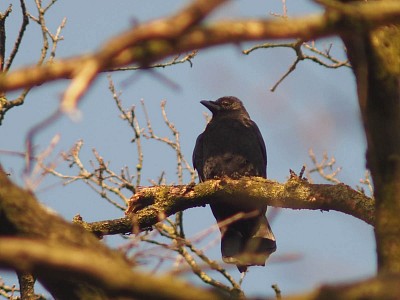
<point>232,146</point>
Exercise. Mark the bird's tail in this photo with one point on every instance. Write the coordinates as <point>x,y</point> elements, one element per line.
<point>248,242</point>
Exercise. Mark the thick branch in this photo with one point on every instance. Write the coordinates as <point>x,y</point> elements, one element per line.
<point>152,204</point>
<point>69,261</point>
<point>26,285</point>
<point>153,41</point>
<point>377,288</point>
<point>375,56</point>
<point>39,257</point>
<point>86,265</point>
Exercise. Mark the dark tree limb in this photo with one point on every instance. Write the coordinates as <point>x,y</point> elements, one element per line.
<point>376,288</point>
<point>69,261</point>
<point>152,204</point>
<point>62,261</point>
<point>375,56</point>
<point>39,256</point>
<point>26,285</point>
<point>182,32</point>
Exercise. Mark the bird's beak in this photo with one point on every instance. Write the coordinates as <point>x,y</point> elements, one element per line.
<point>211,105</point>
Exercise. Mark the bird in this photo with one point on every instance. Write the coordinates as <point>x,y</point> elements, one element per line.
<point>232,146</point>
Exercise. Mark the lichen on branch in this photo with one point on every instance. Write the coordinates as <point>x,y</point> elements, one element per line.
<point>151,205</point>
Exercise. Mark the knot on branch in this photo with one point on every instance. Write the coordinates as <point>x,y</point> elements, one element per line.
<point>160,196</point>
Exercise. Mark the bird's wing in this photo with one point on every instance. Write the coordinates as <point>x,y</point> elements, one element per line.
<point>261,143</point>
<point>197,157</point>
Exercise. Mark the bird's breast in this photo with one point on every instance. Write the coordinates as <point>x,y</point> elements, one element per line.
<point>232,149</point>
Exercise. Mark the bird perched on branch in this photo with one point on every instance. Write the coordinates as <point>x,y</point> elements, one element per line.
<point>232,146</point>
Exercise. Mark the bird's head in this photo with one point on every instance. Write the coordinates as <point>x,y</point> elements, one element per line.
<point>224,105</point>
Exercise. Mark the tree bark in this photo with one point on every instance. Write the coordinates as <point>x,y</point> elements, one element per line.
<point>375,56</point>
<point>69,261</point>
<point>374,53</point>
<point>153,204</point>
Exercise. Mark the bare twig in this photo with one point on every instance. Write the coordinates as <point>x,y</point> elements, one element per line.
<point>277,291</point>
<point>30,138</point>
<point>174,61</point>
<point>25,23</point>
<point>189,252</point>
<point>368,183</point>
<point>130,116</point>
<point>3,17</point>
<point>284,11</point>
<point>106,182</point>
<point>6,104</point>
<point>101,179</point>
<point>37,175</point>
<point>8,291</point>
<point>182,163</point>
<point>297,46</point>
<point>55,39</point>
<point>290,70</point>
<point>326,163</point>
<point>334,62</point>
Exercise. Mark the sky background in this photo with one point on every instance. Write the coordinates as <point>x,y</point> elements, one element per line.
<point>314,107</point>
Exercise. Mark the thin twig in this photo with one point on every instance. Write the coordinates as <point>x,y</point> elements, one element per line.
<point>3,17</point>
<point>25,23</point>
<point>174,61</point>
<point>130,116</point>
<point>320,167</point>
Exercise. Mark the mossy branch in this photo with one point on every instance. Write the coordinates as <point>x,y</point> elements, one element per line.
<point>153,204</point>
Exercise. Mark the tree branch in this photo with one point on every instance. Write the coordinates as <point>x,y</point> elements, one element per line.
<point>153,204</point>
<point>384,286</point>
<point>26,285</point>
<point>63,261</point>
<point>375,57</point>
<point>69,261</point>
<point>156,40</point>
<point>40,256</point>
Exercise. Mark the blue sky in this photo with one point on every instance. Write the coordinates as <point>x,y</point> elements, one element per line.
<point>314,108</point>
